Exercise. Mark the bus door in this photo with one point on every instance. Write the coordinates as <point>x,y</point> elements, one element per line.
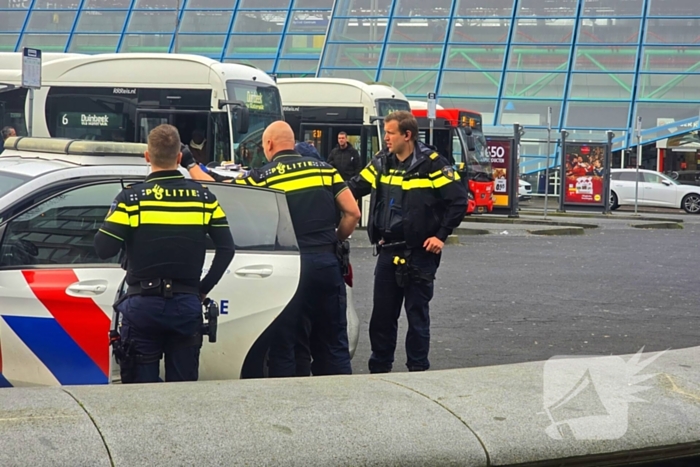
<point>148,120</point>
<point>187,122</point>
<point>325,136</point>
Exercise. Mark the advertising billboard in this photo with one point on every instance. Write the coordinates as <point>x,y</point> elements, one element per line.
<point>500,151</point>
<point>584,174</point>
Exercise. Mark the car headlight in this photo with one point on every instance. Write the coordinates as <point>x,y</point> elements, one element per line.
<point>470,195</point>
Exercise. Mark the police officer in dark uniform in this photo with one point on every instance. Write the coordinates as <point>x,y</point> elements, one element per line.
<point>314,191</point>
<point>416,202</point>
<point>163,223</point>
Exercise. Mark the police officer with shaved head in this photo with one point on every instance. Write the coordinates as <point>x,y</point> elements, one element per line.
<point>163,223</point>
<point>316,316</point>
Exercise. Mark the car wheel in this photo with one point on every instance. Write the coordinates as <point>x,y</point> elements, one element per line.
<point>613,201</point>
<point>691,203</point>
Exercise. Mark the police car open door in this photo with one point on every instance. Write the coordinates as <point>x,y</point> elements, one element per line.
<point>258,284</point>
<point>56,294</point>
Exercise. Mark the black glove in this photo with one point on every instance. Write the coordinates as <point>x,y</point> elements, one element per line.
<point>187,157</point>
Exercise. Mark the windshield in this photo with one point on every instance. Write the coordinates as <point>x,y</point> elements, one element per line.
<point>479,162</point>
<point>9,182</point>
<point>387,106</point>
<point>264,107</point>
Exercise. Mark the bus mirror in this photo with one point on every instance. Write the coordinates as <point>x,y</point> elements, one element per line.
<point>223,103</point>
<point>240,112</point>
<point>471,143</point>
<point>242,120</point>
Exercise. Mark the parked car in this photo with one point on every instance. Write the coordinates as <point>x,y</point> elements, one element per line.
<point>56,295</point>
<point>654,189</point>
<point>524,190</point>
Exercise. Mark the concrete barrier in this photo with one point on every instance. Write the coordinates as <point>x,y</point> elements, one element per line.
<point>659,225</point>
<point>473,417</point>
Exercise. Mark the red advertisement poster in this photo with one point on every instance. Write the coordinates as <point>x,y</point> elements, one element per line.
<point>500,153</point>
<point>584,174</point>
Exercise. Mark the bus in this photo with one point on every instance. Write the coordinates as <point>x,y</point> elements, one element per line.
<point>121,97</point>
<point>454,131</point>
<point>320,108</point>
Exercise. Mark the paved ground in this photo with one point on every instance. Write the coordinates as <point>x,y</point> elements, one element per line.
<point>508,298</point>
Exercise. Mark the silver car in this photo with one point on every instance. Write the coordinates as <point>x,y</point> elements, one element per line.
<point>652,189</point>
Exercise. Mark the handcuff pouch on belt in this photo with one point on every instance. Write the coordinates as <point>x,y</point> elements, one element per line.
<point>157,287</point>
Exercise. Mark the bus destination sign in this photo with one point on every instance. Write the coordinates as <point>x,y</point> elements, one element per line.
<point>91,120</point>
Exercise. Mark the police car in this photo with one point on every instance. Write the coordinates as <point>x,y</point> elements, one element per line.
<point>56,295</point>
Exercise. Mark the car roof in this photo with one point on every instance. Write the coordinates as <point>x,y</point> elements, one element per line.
<point>49,154</point>
<point>31,167</point>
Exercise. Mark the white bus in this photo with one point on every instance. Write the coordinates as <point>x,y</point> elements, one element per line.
<point>320,108</point>
<point>121,97</point>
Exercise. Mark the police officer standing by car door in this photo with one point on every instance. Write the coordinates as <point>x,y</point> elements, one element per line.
<point>314,191</point>
<point>163,223</point>
<point>416,202</point>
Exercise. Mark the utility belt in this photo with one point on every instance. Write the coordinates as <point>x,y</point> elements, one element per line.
<point>329,248</point>
<point>405,271</point>
<point>165,288</point>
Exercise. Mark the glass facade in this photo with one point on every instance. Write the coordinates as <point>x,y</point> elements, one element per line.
<point>597,63</point>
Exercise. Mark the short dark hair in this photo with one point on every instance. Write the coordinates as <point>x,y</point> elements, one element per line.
<point>406,121</point>
<point>6,132</point>
<point>343,133</point>
<point>164,145</point>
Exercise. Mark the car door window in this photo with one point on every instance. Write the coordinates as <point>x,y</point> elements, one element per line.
<point>59,230</point>
<point>630,176</point>
<point>652,178</point>
<point>259,218</point>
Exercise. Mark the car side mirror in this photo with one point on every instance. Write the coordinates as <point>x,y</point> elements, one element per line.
<point>666,182</point>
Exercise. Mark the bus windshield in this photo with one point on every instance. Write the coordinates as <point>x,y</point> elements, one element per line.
<point>387,106</point>
<point>264,107</point>
<point>479,162</point>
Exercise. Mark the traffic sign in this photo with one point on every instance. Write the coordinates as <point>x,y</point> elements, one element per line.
<point>432,105</point>
<point>31,68</point>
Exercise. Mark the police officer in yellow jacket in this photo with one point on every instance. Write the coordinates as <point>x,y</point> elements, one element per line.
<point>163,223</point>
<point>416,201</point>
<point>314,192</point>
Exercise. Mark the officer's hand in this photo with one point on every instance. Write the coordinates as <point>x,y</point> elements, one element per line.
<point>187,157</point>
<point>433,245</point>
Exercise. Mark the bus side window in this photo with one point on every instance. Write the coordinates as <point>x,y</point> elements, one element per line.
<point>90,113</point>
<point>12,109</point>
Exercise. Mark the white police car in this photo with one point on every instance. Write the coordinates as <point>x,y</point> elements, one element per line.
<point>56,295</point>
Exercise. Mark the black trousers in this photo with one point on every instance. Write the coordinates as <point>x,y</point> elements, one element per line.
<point>157,326</point>
<point>316,317</point>
<point>388,299</point>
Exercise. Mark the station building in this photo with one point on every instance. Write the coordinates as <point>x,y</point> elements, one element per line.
<point>599,64</point>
